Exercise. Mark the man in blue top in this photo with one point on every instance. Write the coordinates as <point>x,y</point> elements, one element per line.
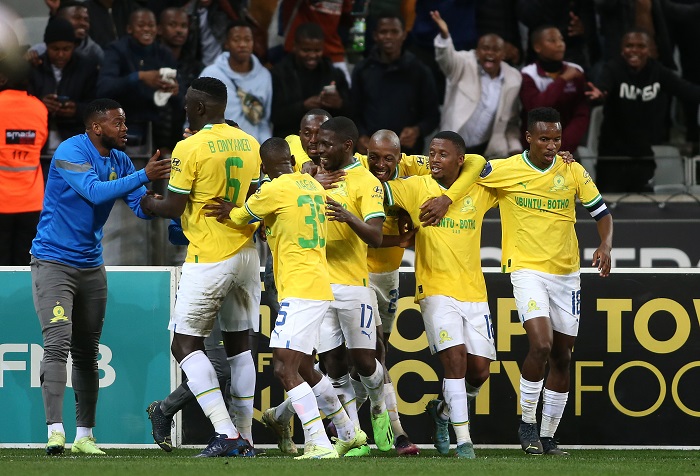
<point>88,173</point>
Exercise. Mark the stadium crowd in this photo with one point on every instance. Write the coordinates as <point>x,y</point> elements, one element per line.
<point>356,120</point>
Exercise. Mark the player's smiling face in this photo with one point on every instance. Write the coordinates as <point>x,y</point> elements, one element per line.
<point>142,26</point>
<point>331,149</point>
<point>308,134</point>
<point>383,157</point>
<point>545,141</point>
<point>445,161</point>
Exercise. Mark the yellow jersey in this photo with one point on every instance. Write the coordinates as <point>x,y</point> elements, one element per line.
<point>538,212</point>
<point>217,161</point>
<point>383,260</point>
<point>362,195</point>
<point>293,207</point>
<point>448,256</point>
<point>300,155</point>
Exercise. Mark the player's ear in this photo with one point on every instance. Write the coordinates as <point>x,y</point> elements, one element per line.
<point>528,137</point>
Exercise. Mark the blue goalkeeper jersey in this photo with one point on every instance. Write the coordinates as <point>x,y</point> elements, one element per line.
<point>80,192</point>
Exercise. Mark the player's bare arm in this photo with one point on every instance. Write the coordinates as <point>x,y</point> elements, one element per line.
<point>601,256</point>
<point>370,231</point>
<point>171,206</point>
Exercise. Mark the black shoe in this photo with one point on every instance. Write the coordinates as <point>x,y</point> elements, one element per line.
<point>160,426</point>
<point>222,445</point>
<point>549,447</point>
<point>529,438</point>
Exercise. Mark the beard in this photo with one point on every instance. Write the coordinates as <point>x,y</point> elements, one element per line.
<point>110,143</point>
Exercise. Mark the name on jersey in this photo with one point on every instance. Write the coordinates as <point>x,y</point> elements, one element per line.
<point>306,185</point>
<point>537,203</point>
<point>468,224</point>
<point>15,136</point>
<point>229,145</point>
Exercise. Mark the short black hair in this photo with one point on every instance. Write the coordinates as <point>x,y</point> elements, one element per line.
<point>317,112</point>
<point>212,87</point>
<point>238,23</point>
<point>309,31</point>
<point>390,15</point>
<point>343,127</point>
<point>536,34</point>
<point>455,138</point>
<point>140,10</point>
<point>98,107</point>
<point>542,114</point>
<point>69,4</point>
<point>165,11</point>
<point>274,147</point>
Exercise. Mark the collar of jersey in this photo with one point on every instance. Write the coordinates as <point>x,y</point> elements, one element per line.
<point>354,164</point>
<point>527,161</point>
<point>207,127</point>
<point>438,183</point>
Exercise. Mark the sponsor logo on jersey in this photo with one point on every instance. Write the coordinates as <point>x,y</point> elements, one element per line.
<point>20,136</point>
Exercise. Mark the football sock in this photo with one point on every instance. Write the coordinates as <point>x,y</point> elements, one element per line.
<point>393,408</point>
<point>284,411</point>
<point>205,386</point>
<point>472,392</point>
<point>346,395</point>
<point>243,391</point>
<point>529,397</point>
<point>553,404</point>
<point>82,432</point>
<point>55,427</point>
<point>329,404</point>
<point>375,388</point>
<point>304,403</point>
<point>360,392</point>
<point>456,401</point>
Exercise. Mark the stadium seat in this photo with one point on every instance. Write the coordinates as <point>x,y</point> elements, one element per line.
<point>670,170</point>
<point>34,27</point>
<point>588,151</point>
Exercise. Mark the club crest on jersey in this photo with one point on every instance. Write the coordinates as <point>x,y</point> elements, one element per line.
<point>468,205</point>
<point>559,183</point>
<point>341,189</point>
<point>444,337</point>
<point>532,306</point>
<point>113,175</point>
<point>59,314</point>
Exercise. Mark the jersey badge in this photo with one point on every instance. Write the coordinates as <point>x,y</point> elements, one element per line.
<point>444,336</point>
<point>468,205</point>
<point>559,184</point>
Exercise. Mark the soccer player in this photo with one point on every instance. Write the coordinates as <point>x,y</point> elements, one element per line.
<point>293,207</point>
<point>222,264</point>
<point>536,195</point>
<point>356,212</point>
<point>450,286</point>
<point>88,173</point>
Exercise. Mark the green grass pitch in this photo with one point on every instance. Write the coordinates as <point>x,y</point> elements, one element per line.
<point>24,462</point>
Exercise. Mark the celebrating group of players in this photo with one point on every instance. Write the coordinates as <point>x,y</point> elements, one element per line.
<point>336,224</point>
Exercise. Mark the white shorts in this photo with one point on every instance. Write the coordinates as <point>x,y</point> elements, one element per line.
<point>298,324</point>
<point>350,319</point>
<point>556,296</point>
<point>449,322</point>
<point>385,294</point>
<point>231,286</point>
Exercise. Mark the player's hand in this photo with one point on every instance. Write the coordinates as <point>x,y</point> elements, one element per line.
<point>433,210</point>
<point>154,195</point>
<point>602,260</point>
<point>336,212</point>
<point>221,209</point>
<point>409,136</point>
<point>566,156</point>
<point>328,179</point>
<point>442,25</point>
<point>157,169</point>
<point>146,202</point>
<point>262,232</point>
<point>407,232</point>
<point>310,168</point>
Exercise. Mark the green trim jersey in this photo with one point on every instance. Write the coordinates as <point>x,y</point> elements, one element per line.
<point>217,161</point>
<point>297,150</point>
<point>362,195</point>
<point>538,211</point>
<point>448,256</point>
<point>294,209</point>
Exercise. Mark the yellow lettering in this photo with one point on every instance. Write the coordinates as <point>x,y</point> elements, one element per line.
<point>579,388</point>
<point>416,367</point>
<point>674,389</point>
<point>264,359</point>
<point>399,341</point>
<point>614,308</point>
<point>265,321</point>
<point>613,397</point>
<point>506,328</point>
<point>641,325</point>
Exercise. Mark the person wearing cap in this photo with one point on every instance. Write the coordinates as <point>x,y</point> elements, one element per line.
<point>64,81</point>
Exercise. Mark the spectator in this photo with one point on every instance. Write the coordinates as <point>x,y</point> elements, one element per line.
<point>207,30</point>
<point>173,30</point>
<point>635,88</point>
<point>64,81</point>
<point>131,74</point>
<point>306,80</point>
<point>77,13</point>
<point>109,19</point>
<point>482,102</point>
<point>552,82</point>
<point>248,82</point>
<point>21,178</point>
<point>328,15</point>
<point>392,89</point>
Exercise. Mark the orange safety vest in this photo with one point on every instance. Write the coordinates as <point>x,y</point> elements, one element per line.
<point>23,132</point>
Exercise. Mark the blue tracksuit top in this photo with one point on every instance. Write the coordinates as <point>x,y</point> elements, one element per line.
<point>80,191</point>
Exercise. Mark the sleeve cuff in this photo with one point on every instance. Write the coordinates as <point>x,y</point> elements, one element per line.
<point>440,42</point>
<point>143,178</point>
